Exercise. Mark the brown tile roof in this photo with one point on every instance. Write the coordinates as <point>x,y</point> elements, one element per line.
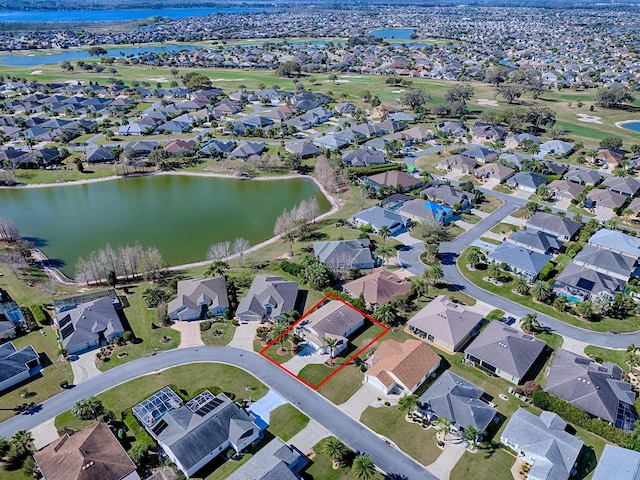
<point>92,453</point>
<point>409,362</point>
<point>378,287</point>
<point>395,178</point>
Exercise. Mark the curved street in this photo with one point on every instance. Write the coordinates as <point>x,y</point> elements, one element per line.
<point>358,437</point>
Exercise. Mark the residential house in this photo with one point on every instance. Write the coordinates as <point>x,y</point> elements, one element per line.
<point>560,227</point>
<point>446,324</point>
<point>420,211</point>
<point>634,207</point>
<point>607,262</point>
<point>605,201</point>
<point>93,452</point>
<point>616,241</point>
<point>598,389</point>
<point>626,186</point>
<point>516,140</point>
<point>526,181</point>
<point>505,351</point>
<point>556,147</point>
<point>217,148</point>
<point>248,149</point>
<point>362,158</point>
<point>609,158</point>
<point>179,146</point>
<point>194,433</point>
<point>617,462</point>
<point>90,324</point>
<point>522,261</point>
<point>400,368</point>
<point>486,132</point>
<point>544,443</point>
<point>494,171</point>
<point>458,163</point>
<point>457,399</point>
<point>7,325</point>
<point>199,297</point>
<point>450,196</point>
<point>394,201</point>
<point>453,128</point>
<point>583,177</point>
<point>267,298</point>
<point>564,189</point>
<point>332,141</point>
<point>345,254</point>
<point>585,283</point>
<point>17,365</point>
<point>335,320</point>
<point>304,149</point>
<point>100,154</point>
<point>378,217</point>
<point>274,461</point>
<point>481,154</point>
<point>378,287</point>
<point>396,179</point>
<point>345,108</point>
<point>416,135</point>
<point>535,240</point>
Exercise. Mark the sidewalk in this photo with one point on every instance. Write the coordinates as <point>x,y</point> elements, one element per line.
<point>306,438</point>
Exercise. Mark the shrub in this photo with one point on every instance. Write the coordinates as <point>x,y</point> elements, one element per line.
<point>127,336</point>
<point>64,384</point>
<point>291,268</point>
<point>541,399</point>
<point>546,271</point>
<point>366,228</point>
<point>204,326</point>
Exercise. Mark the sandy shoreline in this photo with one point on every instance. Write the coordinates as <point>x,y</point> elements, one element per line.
<point>620,124</point>
<point>60,277</point>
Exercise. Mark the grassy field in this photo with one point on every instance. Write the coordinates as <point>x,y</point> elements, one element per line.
<point>286,420</point>
<point>489,463</point>
<point>321,469</point>
<point>608,355</point>
<point>213,339</point>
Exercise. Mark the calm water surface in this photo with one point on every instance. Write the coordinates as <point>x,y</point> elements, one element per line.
<point>633,126</point>
<point>395,33</point>
<point>180,215</point>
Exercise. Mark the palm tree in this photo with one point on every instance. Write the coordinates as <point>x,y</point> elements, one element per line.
<point>418,287</point>
<point>560,304</point>
<point>384,251</point>
<point>471,434</point>
<point>444,424</point>
<point>21,443</point>
<point>409,402</point>
<point>521,285</point>
<point>217,269</point>
<point>334,449</point>
<point>87,409</point>
<point>290,237</point>
<point>475,257</point>
<point>281,331</point>
<point>540,291</point>
<point>530,323</point>
<point>584,310</point>
<point>386,313</point>
<point>117,152</point>
<point>363,467</point>
<point>331,344</point>
<point>436,272</point>
<point>153,296</point>
<point>384,231</point>
<point>494,270</point>
<point>289,317</point>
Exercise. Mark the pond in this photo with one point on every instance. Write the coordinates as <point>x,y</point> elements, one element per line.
<point>394,33</point>
<point>180,215</point>
<point>52,57</point>
<point>634,125</point>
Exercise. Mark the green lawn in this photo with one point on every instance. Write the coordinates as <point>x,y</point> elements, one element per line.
<point>492,241</point>
<point>503,228</point>
<point>214,338</point>
<point>321,469</point>
<point>489,204</point>
<point>340,387</point>
<point>286,420</point>
<point>489,463</point>
<point>503,189</point>
<point>409,437</point>
<point>608,355</point>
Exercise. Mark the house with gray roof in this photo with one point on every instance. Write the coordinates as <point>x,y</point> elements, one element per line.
<point>194,433</point>
<point>481,154</point>
<point>544,443</point>
<point>17,365</point>
<point>604,201</point>
<point>505,351</point>
<point>336,320</point>
<point>445,324</point>
<point>427,211</point>
<point>606,262</point>
<point>616,241</point>
<point>217,148</point>
<point>626,186</point>
<point>598,389</point>
<point>449,196</point>
<point>332,141</point>
<point>88,325</point>
<point>456,129</point>
<point>583,177</point>
<point>361,157</point>
<point>458,163</point>
<point>563,228</point>
<point>396,179</point>
<point>585,283</point>
<point>267,298</point>
<point>516,140</point>
<point>619,463</point>
<point>457,399</point>
<point>274,461</point>
<point>519,260</point>
<point>100,154</point>
<point>248,149</point>
<point>565,189</point>
<point>494,171</point>
<point>536,240</point>
<point>526,181</point>
<point>556,147</point>
<point>304,149</point>
<point>377,217</point>
<point>198,297</point>
<point>345,254</point>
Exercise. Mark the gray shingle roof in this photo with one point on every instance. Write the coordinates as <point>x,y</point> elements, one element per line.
<point>344,253</point>
<point>527,179</point>
<point>519,259</point>
<point>588,177</point>
<point>194,292</point>
<point>265,289</point>
<point>378,216</point>
<point>589,281</point>
<point>617,463</point>
<point>448,195</point>
<point>612,263</point>
<point>13,361</point>
<point>553,224</point>
<point>273,461</point>
<point>535,239</point>
<point>616,241</point>
<point>506,348</point>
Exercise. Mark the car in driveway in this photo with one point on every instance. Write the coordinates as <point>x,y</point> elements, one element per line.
<point>508,320</point>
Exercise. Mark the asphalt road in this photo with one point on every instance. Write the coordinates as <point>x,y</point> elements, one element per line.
<point>358,437</point>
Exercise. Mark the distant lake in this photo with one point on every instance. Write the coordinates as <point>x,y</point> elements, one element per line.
<point>393,33</point>
<point>62,55</point>
<point>181,215</point>
<point>115,15</point>
<point>633,126</point>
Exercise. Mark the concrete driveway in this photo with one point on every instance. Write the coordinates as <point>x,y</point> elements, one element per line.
<point>360,400</point>
<point>84,367</point>
<point>44,434</point>
<point>451,455</point>
<point>244,335</point>
<point>189,333</point>
<point>266,405</point>
<point>306,356</point>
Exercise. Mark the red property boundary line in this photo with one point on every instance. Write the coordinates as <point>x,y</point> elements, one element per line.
<point>329,296</point>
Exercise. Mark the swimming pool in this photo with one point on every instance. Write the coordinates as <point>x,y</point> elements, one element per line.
<point>570,298</point>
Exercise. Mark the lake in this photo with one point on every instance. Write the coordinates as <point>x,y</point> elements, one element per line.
<point>69,55</point>
<point>395,33</point>
<point>115,15</point>
<point>633,126</point>
<point>181,215</point>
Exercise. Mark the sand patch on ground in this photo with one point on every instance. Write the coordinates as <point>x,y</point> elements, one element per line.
<point>353,76</point>
<point>583,117</point>
<point>36,72</point>
<point>397,91</point>
<point>487,102</point>
<point>157,79</point>
<point>336,81</point>
<point>227,79</point>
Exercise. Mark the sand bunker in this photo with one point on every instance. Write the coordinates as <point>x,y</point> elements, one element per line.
<point>36,72</point>
<point>336,81</point>
<point>157,79</point>
<point>487,102</point>
<point>397,91</point>
<point>583,117</point>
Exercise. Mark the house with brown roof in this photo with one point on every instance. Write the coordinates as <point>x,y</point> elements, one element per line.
<point>609,158</point>
<point>445,324</point>
<point>458,163</point>
<point>177,145</point>
<point>379,287</point>
<point>494,171</point>
<point>336,320</point>
<point>92,453</point>
<point>400,368</point>
<point>565,189</point>
<point>392,178</point>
